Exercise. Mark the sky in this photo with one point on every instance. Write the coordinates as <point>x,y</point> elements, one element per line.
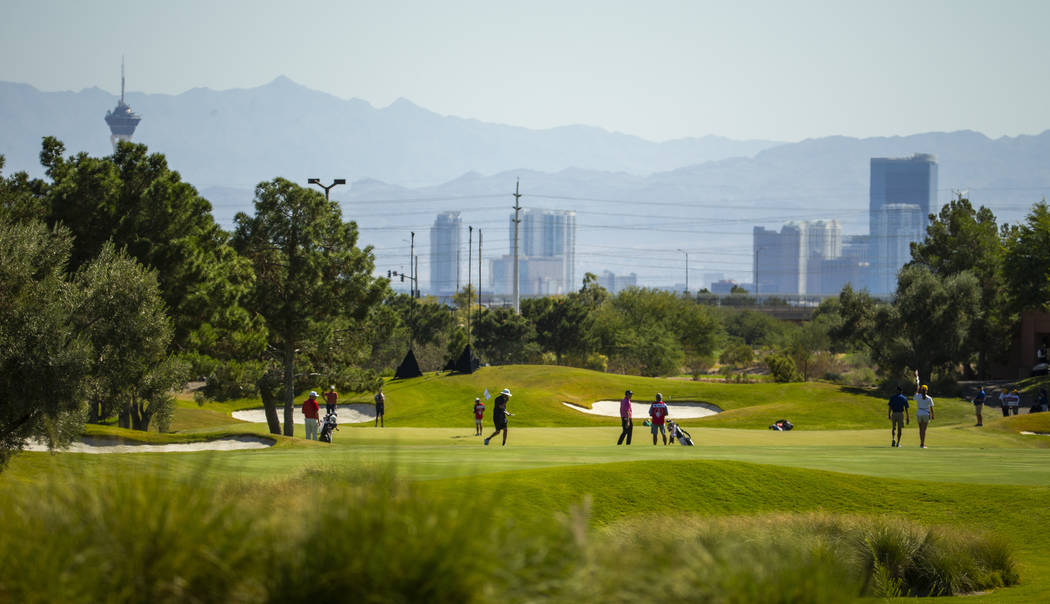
<point>658,69</point>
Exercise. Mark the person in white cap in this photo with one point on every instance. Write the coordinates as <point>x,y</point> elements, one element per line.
<point>499,416</point>
<point>310,409</point>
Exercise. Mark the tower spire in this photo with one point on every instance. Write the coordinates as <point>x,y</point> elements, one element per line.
<point>121,119</point>
<point>121,79</point>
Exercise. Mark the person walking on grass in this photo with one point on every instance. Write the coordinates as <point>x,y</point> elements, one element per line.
<point>658,413</point>
<point>310,409</point>
<point>897,413</point>
<point>625,418</point>
<point>499,416</point>
<point>330,399</point>
<point>1013,403</point>
<point>923,413</point>
<point>978,405</point>
<point>479,414</point>
<point>380,401</point>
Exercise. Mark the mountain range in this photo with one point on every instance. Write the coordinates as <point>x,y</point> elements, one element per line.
<point>637,201</point>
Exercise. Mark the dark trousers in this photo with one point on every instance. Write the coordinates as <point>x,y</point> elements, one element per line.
<point>1006,411</point>
<point>628,429</point>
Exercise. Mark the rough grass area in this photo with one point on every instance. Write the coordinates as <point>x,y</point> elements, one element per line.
<point>364,536</point>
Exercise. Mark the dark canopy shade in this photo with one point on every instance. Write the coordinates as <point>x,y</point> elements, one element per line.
<point>466,363</point>
<point>408,368</point>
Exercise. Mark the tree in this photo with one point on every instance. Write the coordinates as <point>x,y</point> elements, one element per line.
<point>123,316</point>
<point>44,360</point>
<point>503,336</point>
<point>562,324</point>
<point>960,239</point>
<point>308,271</point>
<point>1026,266</point>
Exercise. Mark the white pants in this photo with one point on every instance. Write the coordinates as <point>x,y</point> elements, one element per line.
<point>311,428</point>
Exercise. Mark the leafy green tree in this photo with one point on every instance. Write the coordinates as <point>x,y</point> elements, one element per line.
<point>805,342</point>
<point>503,336</point>
<point>737,355</point>
<point>308,271</point>
<point>1026,266</point>
<point>782,367</point>
<point>21,199</point>
<point>44,360</point>
<point>123,316</point>
<point>562,324</point>
<point>961,239</point>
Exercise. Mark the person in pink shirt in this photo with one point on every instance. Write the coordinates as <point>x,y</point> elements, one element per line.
<point>625,418</point>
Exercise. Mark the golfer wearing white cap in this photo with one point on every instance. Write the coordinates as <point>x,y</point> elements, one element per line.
<point>499,416</point>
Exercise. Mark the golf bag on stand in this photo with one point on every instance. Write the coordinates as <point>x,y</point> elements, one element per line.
<point>684,438</point>
<point>328,424</point>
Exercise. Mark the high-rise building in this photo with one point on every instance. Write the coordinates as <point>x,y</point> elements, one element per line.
<point>445,254</point>
<point>796,260</point>
<point>547,255</point>
<point>902,195</point>
<point>121,119</point>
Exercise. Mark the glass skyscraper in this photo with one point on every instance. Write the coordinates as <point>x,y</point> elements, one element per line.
<point>444,254</point>
<point>902,194</point>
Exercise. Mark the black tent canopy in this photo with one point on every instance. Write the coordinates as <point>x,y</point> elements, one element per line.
<point>408,368</point>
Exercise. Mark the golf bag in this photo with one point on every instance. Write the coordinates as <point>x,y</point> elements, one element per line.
<point>328,424</point>
<point>781,425</point>
<point>684,438</point>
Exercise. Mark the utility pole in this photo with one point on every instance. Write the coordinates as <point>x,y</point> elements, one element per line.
<point>470,266</point>
<point>479,273</point>
<point>416,280</point>
<point>517,221</point>
<point>411,260</point>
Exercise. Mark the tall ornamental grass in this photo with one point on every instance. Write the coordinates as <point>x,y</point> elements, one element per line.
<point>364,536</point>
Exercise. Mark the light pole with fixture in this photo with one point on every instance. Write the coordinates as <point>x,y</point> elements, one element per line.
<point>317,181</point>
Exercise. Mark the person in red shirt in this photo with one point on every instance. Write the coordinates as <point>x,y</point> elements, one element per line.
<point>658,411</point>
<point>479,414</point>
<point>330,399</point>
<point>310,409</point>
<point>625,418</point>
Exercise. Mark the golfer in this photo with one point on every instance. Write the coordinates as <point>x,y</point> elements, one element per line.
<point>898,415</point>
<point>625,418</point>
<point>499,416</point>
<point>380,401</point>
<point>923,413</point>
<point>658,411</point>
<point>479,414</point>
<point>310,409</point>
<point>330,399</point>
<point>978,405</point>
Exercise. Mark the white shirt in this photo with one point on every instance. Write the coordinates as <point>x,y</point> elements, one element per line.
<point>1011,399</point>
<point>923,404</point>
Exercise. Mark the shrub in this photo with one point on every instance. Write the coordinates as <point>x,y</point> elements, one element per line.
<point>782,368</point>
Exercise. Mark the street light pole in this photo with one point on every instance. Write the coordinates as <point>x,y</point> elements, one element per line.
<point>686,270</point>
<point>317,181</point>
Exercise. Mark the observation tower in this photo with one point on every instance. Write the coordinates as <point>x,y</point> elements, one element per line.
<point>121,119</point>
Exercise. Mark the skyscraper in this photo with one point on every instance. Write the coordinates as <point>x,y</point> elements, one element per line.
<point>547,249</point>
<point>121,119</point>
<point>444,254</point>
<point>903,192</point>
<point>795,260</point>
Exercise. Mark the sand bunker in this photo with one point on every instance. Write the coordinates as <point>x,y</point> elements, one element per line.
<point>1027,433</point>
<point>675,410</point>
<point>354,413</point>
<point>100,445</point>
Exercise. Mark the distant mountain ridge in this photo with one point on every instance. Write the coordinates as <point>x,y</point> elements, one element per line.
<point>242,136</point>
<point>637,202</point>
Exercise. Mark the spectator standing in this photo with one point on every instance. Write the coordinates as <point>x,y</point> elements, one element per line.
<point>1041,401</point>
<point>1013,402</point>
<point>499,416</point>
<point>978,405</point>
<point>658,413</point>
<point>897,413</point>
<point>330,399</point>
<point>380,401</point>
<point>479,414</point>
<point>626,422</point>
<point>310,409</point>
<point>923,413</point>
<point>1004,396</point>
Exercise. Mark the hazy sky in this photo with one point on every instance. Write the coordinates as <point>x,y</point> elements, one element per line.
<point>658,69</point>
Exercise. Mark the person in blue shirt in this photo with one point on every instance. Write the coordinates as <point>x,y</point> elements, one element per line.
<point>898,416</point>
<point>978,405</point>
